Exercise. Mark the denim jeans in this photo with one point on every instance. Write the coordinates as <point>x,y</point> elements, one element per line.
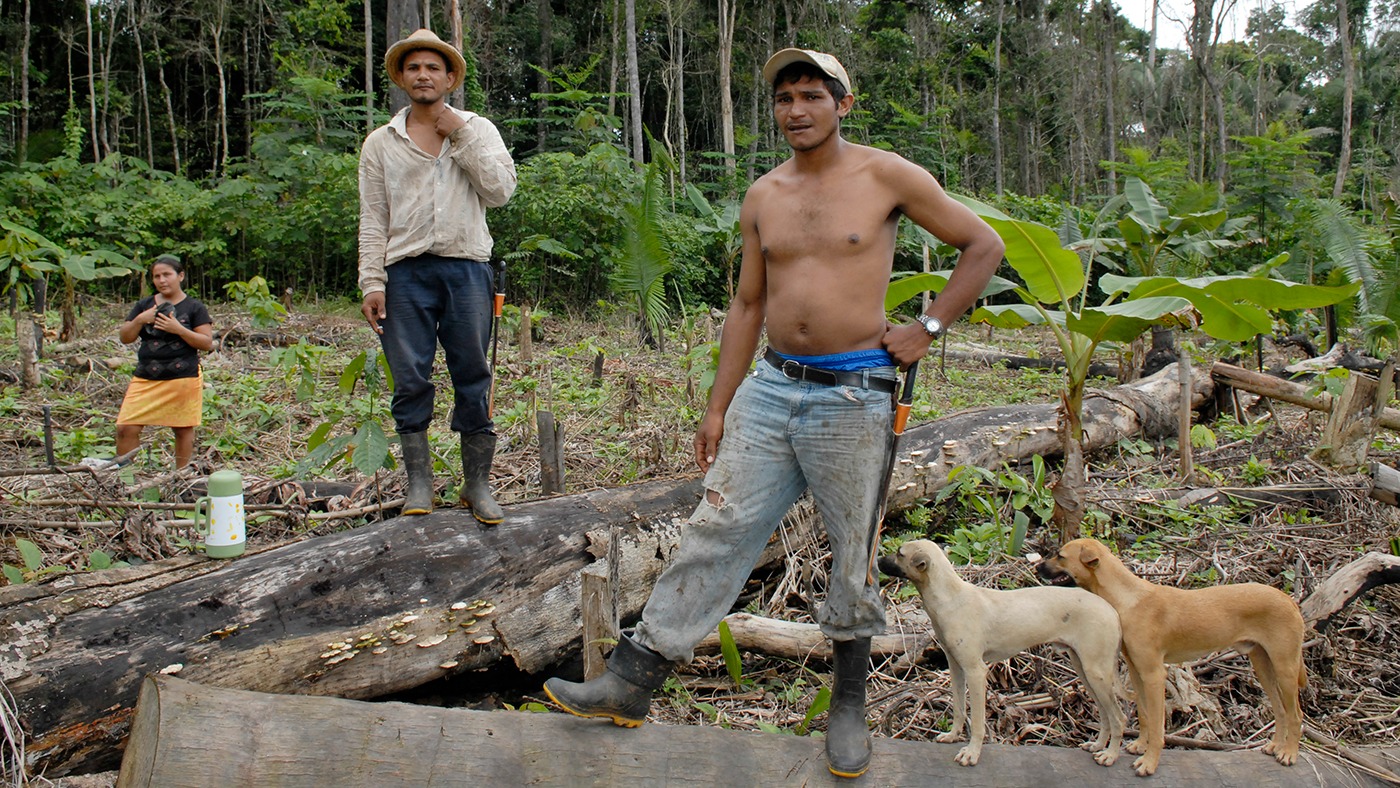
<point>781,436</point>
<point>430,299</point>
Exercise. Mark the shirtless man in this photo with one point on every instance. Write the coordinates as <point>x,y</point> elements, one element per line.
<point>819,239</point>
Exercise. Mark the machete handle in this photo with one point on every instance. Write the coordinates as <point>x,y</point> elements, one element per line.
<point>906,399</point>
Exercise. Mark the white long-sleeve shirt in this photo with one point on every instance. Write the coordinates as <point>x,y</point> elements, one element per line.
<point>413,202</point>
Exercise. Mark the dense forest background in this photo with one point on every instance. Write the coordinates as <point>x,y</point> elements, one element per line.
<point>227,131</point>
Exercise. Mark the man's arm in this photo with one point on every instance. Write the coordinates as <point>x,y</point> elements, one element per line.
<point>739,338</point>
<point>374,233</point>
<point>923,200</point>
<point>478,149</point>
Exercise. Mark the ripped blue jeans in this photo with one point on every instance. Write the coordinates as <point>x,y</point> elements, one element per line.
<point>781,437</point>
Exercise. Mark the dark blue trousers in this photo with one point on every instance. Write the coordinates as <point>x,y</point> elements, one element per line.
<point>431,300</point>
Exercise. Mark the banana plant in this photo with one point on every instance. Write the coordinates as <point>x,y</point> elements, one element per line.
<point>1053,294</point>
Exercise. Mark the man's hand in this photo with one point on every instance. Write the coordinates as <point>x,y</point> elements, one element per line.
<point>707,440</point>
<point>373,310</point>
<point>907,343</point>
<point>447,122</point>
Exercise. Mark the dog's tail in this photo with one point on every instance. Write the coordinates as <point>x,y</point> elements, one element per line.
<point>1302,678</point>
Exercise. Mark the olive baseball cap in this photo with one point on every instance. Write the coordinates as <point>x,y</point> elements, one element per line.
<point>828,64</point>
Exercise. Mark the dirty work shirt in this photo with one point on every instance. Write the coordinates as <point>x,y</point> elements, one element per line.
<point>415,202</point>
<point>781,437</point>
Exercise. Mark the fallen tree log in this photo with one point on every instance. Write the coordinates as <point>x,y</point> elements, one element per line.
<point>190,735</point>
<point>991,358</point>
<point>800,641</point>
<point>1385,484</point>
<point>1313,493</point>
<point>372,611</point>
<point>1348,583</point>
<point>1280,389</point>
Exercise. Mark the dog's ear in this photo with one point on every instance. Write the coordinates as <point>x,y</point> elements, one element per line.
<point>1091,561</point>
<point>921,565</point>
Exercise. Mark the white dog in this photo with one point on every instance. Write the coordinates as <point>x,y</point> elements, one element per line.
<point>977,626</point>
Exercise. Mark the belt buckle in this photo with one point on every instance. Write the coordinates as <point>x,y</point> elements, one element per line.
<point>791,369</point>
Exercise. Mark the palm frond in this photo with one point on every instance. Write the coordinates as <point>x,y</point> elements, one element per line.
<point>640,274</point>
<point>1348,247</point>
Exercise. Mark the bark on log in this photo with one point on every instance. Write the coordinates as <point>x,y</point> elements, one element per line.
<point>196,736</point>
<point>73,651</point>
<point>1280,389</point>
<point>798,641</point>
<point>1385,484</point>
<point>1348,583</point>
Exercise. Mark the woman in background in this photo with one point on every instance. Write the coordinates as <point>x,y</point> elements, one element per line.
<point>167,389</point>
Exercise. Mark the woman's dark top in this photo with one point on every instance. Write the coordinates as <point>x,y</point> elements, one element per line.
<point>165,356</point>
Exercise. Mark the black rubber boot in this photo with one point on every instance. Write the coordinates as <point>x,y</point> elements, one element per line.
<point>477,453</point>
<point>847,734</point>
<point>418,461</point>
<point>623,693</point>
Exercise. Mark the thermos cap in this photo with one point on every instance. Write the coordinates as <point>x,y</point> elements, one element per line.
<point>225,483</point>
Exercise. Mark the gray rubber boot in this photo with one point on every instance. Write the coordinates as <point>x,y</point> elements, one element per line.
<point>847,734</point>
<point>418,461</point>
<point>477,453</point>
<point>623,693</point>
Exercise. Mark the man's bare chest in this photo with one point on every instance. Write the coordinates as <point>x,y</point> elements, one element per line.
<point>825,223</point>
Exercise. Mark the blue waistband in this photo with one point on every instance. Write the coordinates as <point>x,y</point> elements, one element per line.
<point>854,360</point>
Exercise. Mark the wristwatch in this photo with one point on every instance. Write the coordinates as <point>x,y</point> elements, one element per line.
<point>932,325</point>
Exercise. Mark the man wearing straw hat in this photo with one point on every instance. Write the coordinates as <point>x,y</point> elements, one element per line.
<point>426,180</point>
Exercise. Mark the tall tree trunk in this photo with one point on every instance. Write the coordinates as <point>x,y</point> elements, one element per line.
<point>454,17</point>
<point>615,27</point>
<point>371,63</point>
<point>1110,72</point>
<point>169,104</point>
<point>92,84</point>
<point>727,11</point>
<point>24,89</point>
<point>998,163</point>
<point>402,17</point>
<point>680,98</point>
<point>144,90</point>
<point>1348,96</point>
<point>109,135</point>
<point>215,29</point>
<point>544,15</point>
<point>634,82</point>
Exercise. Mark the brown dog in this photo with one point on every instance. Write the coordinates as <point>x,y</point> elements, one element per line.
<point>1162,624</point>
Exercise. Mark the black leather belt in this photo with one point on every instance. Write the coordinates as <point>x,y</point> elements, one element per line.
<point>828,377</point>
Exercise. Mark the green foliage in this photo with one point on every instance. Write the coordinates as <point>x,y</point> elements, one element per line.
<point>992,511</point>
<point>34,569</point>
<point>639,273</point>
<point>366,446</point>
<point>730,650</point>
<point>254,296</point>
<point>1202,437</point>
<point>1254,471</point>
<point>301,363</point>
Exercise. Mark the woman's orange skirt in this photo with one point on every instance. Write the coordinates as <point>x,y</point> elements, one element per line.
<point>163,403</point>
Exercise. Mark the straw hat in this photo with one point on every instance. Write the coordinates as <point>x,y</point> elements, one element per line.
<point>786,57</point>
<point>424,38</point>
